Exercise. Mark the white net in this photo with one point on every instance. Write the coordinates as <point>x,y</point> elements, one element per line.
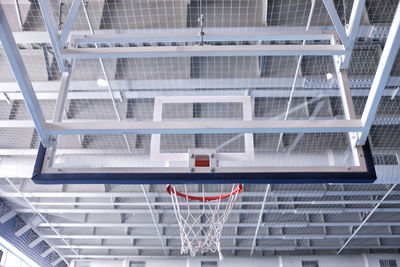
<point>201,224</point>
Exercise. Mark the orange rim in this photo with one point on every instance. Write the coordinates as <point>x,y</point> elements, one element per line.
<point>237,190</point>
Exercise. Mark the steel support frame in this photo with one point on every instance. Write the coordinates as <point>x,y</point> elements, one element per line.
<point>348,106</point>
<point>332,12</point>
<point>21,75</point>
<point>382,74</point>
<point>190,127</point>
<point>70,21</point>
<point>352,30</point>
<point>52,28</point>
<point>347,33</point>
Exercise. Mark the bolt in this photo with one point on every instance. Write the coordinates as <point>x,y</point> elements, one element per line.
<point>212,169</point>
<point>348,168</point>
<point>191,169</point>
<point>211,155</point>
<point>192,156</point>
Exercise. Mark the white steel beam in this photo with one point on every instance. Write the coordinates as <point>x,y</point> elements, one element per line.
<point>182,127</point>
<point>381,76</point>
<point>191,51</point>
<point>354,26</point>
<point>247,211</point>
<point>214,34</point>
<point>73,11</point>
<point>290,224</point>
<point>260,216</point>
<point>348,109</point>
<point>7,216</point>
<point>250,237</point>
<point>11,88</point>
<point>154,219</point>
<point>93,94</point>
<point>330,7</point>
<point>209,37</point>
<point>89,194</point>
<point>272,203</point>
<point>21,75</point>
<point>272,247</point>
<point>36,212</point>
<point>51,24</point>
<point>129,256</point>
<point>366,218</point>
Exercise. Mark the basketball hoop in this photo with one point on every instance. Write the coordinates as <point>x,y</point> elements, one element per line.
<point>201,231</point>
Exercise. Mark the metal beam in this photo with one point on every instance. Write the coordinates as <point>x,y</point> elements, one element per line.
<point>366,218</point>
<point>330,7</point>
<point>278,248</point>
<point>17,190</point>
<point>246,211</point>
<point>21,75</point>
<point>186,127</point>
<point>260,216</point>
<point>209,51</point>
<point>354,26</point>
<point>290,224</point>
<point>88,194</point>
<point>154,219</point>
<point>191,34</point>
<point>168,203</point>
<point>359,86</point>
<point>209,37</point>
<point>128,256</point>
<point>381,76</point>
<point>73,11</point>
<point>52,28</point>
<point>250,237</point>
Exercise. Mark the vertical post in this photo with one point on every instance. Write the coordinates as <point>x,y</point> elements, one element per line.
<point>381,76</point>
<point>52,28</point>
<point>21,75</point>
<point>347,103</point>
<point>59,110</point>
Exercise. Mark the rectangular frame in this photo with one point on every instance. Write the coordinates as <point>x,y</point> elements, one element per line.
<point>155,153</point>
<point>364,173</point>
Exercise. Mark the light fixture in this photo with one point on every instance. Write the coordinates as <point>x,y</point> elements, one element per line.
<point>102,82</point>
<point>329,76</point>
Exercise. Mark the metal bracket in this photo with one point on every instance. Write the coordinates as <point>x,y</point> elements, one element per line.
<point>210,154</point>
